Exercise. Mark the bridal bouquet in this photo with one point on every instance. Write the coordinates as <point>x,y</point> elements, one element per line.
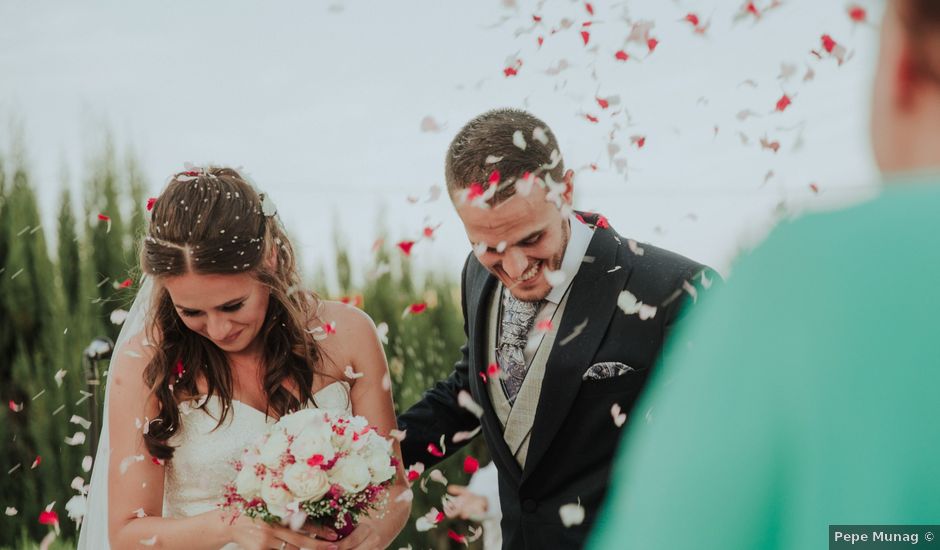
<point>314,464</point>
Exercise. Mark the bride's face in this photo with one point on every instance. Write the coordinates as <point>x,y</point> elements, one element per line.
<point>229,310</point>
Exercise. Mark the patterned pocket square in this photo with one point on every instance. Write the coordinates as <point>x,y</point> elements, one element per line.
<point>609,369</point>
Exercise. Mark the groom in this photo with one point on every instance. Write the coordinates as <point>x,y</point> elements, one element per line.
<point>564,320</point>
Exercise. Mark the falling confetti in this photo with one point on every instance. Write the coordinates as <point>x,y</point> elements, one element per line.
<point>405,247</point>
<point>351,374</point>
<point>428,124</point>
<point>619,416</point>
<point>572,514</point>
<point>435,450</point>
<point>466,401</point>
<point>857,13</point>
<point>470,465</point>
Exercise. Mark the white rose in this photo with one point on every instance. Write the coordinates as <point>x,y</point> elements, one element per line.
<point>276,497</point>
<point>306,483</point>
<point>309,443</point>
<point>247,482</point>
<point>380,464</point>
<point>351,473</point>
<point>296,422</point>
<point>273,449</point>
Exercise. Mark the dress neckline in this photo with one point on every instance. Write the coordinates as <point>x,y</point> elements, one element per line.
<point>342,383</point>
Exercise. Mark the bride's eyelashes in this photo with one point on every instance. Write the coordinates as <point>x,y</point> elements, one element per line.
<point>227,309</point>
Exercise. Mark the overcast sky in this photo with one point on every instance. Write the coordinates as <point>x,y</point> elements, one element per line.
<point>322,103</point>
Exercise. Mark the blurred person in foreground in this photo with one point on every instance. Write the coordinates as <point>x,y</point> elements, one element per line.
<point>564,319</point>
<point>808,396</point>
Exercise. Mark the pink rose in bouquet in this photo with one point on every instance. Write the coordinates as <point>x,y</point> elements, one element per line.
<point>314,464</point>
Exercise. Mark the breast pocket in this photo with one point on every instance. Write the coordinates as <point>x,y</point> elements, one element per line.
<point>626,383</point>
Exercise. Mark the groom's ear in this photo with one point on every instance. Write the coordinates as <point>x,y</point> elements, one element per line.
<point>568,194</point>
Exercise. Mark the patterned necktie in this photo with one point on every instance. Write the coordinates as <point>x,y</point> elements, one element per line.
<point>518,317</point>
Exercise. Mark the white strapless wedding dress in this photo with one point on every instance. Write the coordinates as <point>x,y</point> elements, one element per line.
<point>202,463</point>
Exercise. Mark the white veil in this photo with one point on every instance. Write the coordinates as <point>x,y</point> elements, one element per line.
<point>94,530</point>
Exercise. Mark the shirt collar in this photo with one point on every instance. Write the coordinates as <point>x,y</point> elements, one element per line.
<point>578,242</point>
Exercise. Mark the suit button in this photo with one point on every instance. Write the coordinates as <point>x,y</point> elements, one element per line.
<point>528,505</point>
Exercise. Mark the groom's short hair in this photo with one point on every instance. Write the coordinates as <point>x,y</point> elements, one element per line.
<point>492,137</point>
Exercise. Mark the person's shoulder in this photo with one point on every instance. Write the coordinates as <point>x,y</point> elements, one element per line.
<point>341,328</point>
<point>342,317</point>
<point>130,359</point>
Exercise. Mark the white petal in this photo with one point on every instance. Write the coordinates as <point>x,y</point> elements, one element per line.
<point>618,416</point>
<point>519,140</point>
<point>571,514</point>
<point>77,439</point>
<point>466,401</point>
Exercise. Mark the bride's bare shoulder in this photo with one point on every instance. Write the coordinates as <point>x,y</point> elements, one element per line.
<point>340,328</point>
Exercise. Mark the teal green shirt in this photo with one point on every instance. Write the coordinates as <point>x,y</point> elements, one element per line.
<point>804,393</point>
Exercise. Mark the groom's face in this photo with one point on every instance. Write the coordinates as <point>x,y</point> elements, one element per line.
<point>520,238</point>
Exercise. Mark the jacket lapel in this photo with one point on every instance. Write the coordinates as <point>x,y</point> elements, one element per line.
<point>481,285</point>
<point>592,299</point>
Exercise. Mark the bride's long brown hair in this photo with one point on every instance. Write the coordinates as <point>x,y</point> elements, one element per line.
<point>211,221</point>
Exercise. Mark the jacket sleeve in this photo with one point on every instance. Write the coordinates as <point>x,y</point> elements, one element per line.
<point>438,413</point>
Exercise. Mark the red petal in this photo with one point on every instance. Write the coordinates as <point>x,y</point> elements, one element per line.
<point>602,102</point>
<point>814,188</point>
<point>751,8</point>
<point>589,8</point>
<point>621,55</point>
<point>316,460</point>
<point>537,18</point>
<point>492,370</point>
<point>494,177</point>
<point>586,37</point>
<point>432,448</point>
<point>471,465</point>
<point>692,18</point>
<point>439,518</point>
<point>857,13</point>
<point>150,202</point>
<point>510,71</point>
<point>103,218</point>
<point>413,475</point>
<point>405,247</point>
<point>651,44</point>
<point>783,103</point>
<point>126,283</point>
<point>476,190</point>
<point>417,308</point>
<point>48,517</point>
<point>592,118</point>
<point>455,536</point>
<point>540,41</point>
<point>828,43</point>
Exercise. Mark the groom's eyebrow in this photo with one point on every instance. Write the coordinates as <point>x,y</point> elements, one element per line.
<point>226,304</point>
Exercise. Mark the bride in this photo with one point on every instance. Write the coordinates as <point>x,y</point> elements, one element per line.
<point>220,342</point>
